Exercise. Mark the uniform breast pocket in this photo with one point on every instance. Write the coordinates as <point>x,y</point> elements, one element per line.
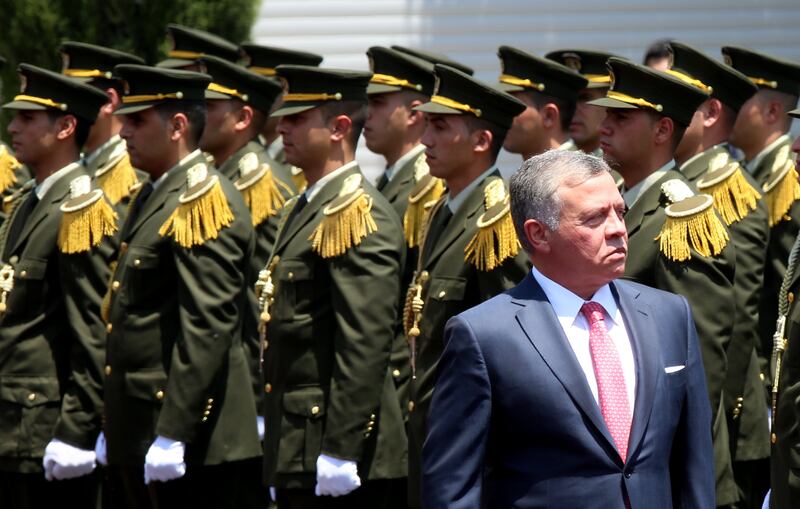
<point>27,297</point>
<point>143,278</point>
<point>294,291</point>
<point>302,426</point>
<point>444,296</point>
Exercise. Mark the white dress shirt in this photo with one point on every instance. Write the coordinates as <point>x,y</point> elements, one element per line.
<point>454,202</point>
<point>631,195</point>
<point>567,307</point>
<point>42,188</point>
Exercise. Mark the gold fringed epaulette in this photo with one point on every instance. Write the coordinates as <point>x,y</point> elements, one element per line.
<point>495,241</point>
<point>8,167</point>
<point>781,189</point>
<point>202,212</point>
<point>259,188</point>
<point>87,218</point>
<point>692,223</point>
<point>734,197</point>
<point>298,179</point>
<point>348,219</point>
<point>428,189</point>
<point>117,178</point>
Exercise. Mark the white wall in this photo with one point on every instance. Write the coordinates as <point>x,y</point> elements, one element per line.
<point>471,30</point>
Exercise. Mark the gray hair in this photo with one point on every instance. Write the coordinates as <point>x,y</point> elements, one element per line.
<point>534,187</point>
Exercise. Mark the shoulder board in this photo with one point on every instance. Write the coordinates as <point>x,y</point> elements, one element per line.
<point>117,178</point>
<point>734,197</point>
<point>347,219</point>
<point>495,241</point>
<point>202,210</point>
<point>88,217</point>
<point>260,188</point>
<point>298,179</point>
<point>781,191</point>
<point>692,224</point>
<point>424,193</point>
<point>8,167</point>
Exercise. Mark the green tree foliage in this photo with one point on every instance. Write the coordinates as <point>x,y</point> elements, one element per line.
<point>32,30</point>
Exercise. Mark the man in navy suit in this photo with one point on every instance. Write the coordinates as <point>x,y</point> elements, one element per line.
<point>573,389</point>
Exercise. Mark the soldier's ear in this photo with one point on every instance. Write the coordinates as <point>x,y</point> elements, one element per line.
<point>712,111</point>
<point>482,140</point>
<point>340,127</point>
<point>65,126</point>
<point>178,127</point>
<point>415,117</point>
<point>244,117</point>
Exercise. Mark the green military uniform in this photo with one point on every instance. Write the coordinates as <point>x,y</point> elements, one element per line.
<point>450,275</point>
<point>176,306</point>
<point>50,374</point>
<point>189,44</point>
<point>704,274</point>
<point>263,60</point>
<point>739,202</point>
<point>329,312</point>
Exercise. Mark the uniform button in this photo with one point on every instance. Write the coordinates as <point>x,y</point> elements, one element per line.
<point>369,428</point>
<point>372,417</point>
<point>206,413</point>
<point>290,275</point>
<point>268,388</point>
<point>761,376</point>
<point>204,419</point>
<point>773,438</point>
<point>31,396</point>
<point>123,247</point>
<point>109,328</point>
<point>24,273</point>
<point>210,400</point>
<point>160,395</point>
<point>790,297</point>
<point>739,399</point>
<point>14,259</point>
<point>137,262</point>
<point>396,373</point>
<point>108,370</point>
<point>314,410</point>
<point>115,285</point>
<point>627,475</point>
<point>424,274</point>
<point>410,406</point>
<point>442,294</point>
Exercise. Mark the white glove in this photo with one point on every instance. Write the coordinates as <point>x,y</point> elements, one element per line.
<point>765,505</point>
<point>336,477</point>
<point>260,426</point>
<point>100,449</point>
<point>63,461</point>
<point>272,494</point>
<point>164,460</point>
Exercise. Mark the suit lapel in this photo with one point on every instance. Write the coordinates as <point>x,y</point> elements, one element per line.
<point>641,332</point>
<point>545,333</point>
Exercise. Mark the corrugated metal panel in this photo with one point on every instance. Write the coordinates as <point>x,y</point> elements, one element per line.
<point>471,30</point>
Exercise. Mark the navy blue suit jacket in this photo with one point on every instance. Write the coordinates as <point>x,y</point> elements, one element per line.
<point>513,422</point>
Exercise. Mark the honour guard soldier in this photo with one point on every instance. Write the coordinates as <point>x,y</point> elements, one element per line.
<point>189,44</point>
<point>104,156</point>
<point>328,310</point>
<point>51,368</point>
<point>263,60</point>
<point>394,129</point>
<point>13,174</point>
<point>434,58</point>
<point>761,131</point>
<point>468,252</point>
<point>785,364</point>
<point>647,113</point>
<point>705,161</point>
<point>180,421</point>
<point>549,91</point>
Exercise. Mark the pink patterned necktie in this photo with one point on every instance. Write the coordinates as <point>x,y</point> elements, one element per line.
<point>613,395</point>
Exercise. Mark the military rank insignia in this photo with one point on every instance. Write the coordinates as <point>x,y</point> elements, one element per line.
<point>88,217</point>
<point>692,223</point>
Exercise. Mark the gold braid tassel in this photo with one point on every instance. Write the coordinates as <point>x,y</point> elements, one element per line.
<point>692,224</point>
<point>87,218</point>
<point>734,197</point>
<point>8,163</point>
<point>427,190</point>
<point>344,225</point>
<point>117,180</point>
<point>495,240</point>
<point>781,192</point>
<point>200,215</point>
<point>299,179</point>
<point>264,198</point>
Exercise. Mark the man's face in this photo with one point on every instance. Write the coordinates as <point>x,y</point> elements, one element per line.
<point>692,140</point>
<point>591,239</point>
<point>585,125</point>
<point>221,119</point>
<point>33,134</point>
<point>626,137</point>
<point>147,137</point>
<point>749,122</point>
<point>306,138</point>
<point>526,130</point>
<point>449,144</point>
<point>387,122</point>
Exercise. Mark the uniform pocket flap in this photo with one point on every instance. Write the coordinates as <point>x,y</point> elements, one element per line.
<point>29,391</point>
<point>305,401</point>
<point>447,288</point>
<point>141,259</point>
<point>30,268</point>
<point>291,270</point>
<point>147,385</point>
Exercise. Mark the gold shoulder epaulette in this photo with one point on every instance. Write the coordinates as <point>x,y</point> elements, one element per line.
<point>781,188</point>
<point>117,178</point>
<point>202,211</point>
<point>734,197</point>
<point>8,167</point>
<point>495,241</point>
<point>691,223</point>
<point>348,219</point>
<point>260,188</point>
<point>87,218</point>
<point>427,189</point>
<point>298,179</point>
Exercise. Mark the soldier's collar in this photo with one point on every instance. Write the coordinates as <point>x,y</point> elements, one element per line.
<point>92,156</point>
<point>391,171</point>
<point>455,203</point>
<point>631,195</point>
<point>313,190</point>
<point>45,185</point>
<point>756,162</point>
